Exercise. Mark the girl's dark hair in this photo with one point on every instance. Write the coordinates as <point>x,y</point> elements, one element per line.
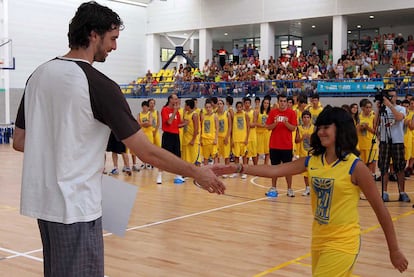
<point>190,103</point>
<point>346,135</point>
<point>262,109</point>
<point>91,16</point>
<point>145,103</point>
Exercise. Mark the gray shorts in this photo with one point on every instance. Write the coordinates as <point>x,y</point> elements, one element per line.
<point>71,250</point>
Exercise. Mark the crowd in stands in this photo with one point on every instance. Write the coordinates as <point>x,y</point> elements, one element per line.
<point>360,61</point>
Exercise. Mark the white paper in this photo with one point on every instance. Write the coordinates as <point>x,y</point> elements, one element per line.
<point>118,198</point>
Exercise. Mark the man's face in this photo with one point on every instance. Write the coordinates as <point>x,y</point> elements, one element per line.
<point>393,97</point>
<point>282,103</point>
<point>105,44</point>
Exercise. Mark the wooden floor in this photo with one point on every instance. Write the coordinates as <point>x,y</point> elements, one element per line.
<point>179,230</point>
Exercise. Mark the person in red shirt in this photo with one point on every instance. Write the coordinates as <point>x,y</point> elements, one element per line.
<point>282,121</point>
<point>170,124</point>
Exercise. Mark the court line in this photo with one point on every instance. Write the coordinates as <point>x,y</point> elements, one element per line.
<point>18,254</point>
<point>298,259</point>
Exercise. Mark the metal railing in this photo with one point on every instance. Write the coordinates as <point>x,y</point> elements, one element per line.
<point>333,87</point>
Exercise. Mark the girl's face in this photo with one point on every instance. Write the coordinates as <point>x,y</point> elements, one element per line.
<point>145,109</point>
<point>367,109</point>
<point>220,106</point>
<point>266,104</point>
<point>354,109</point>
<point>306,119</point>
<point>327,135</point>
<point>239,107</point>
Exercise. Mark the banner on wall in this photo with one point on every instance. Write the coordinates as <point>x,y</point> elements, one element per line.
<point>369,86</point>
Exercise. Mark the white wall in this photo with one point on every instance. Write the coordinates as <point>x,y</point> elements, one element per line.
<point>39,29</point>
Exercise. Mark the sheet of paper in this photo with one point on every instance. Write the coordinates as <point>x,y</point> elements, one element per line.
<point>118,199</point>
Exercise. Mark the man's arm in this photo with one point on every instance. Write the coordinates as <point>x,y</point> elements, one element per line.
<point>18,139</point>
<point>162,159</point>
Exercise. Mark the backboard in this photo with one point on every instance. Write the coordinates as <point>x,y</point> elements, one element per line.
<point>7,61</point>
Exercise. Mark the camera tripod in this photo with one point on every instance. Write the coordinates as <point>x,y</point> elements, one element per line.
<point>388,140</point>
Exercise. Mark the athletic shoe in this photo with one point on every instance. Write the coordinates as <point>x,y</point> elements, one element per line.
<point>179,179</point>
<point>392,177</point>
<point>225,176</point>
<point>272,192</point>
<point>290,193</point>
<point>378,178</point>
<point>159,178</point>
<point>143,166</point>
<point>114,171</point>
<point>234,175</point>
<point>149,166</point>
<point>244,176</point>
<point>404,197</point>
<point>385,196</point>
<point>306,192</point>
<point>135,168</point>
<point>127,171</point>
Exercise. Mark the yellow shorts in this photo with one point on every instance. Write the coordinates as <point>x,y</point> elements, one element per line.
<point>190,153</point>
<point>327,263</point>
<point>364,155</point>
<point>223,149</point>
<point>209,150</point>
<point>252,149</point>
<point>157,139</point>
<point>239,149</point>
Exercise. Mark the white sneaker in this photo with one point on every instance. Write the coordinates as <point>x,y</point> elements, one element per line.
<point>306,192</point>
<point>290,193</point>
<point>234,175</point>
<point>159,179</point>
<point>244,176</point>
<point>225,176</point>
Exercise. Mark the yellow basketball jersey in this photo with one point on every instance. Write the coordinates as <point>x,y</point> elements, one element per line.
<point>188,130</point>
<point>208,126</point>
<point>147,130</point>
<point>365,136</point>
<point>239,130</point>
<point>252,133</point>
<point>304,145</point>
<point>223,124</point>
<point>334,204</point>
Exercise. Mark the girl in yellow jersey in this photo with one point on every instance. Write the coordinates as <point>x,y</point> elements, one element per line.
<point>336,177</point>
<point>209,133</point>
<point>191,138</point>
<point>366,132</point>
<point>240,135</point>
<point>262,133</point>
<point>155,122</point>
<point>224,132</point>
<point>302,140</point>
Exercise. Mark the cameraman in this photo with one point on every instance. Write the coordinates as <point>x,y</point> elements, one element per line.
<point>392,142</point>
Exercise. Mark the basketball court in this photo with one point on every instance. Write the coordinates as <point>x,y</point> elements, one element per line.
<point>180,230</point>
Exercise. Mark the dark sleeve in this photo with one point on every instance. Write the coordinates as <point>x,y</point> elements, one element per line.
<point>109,105</point>
<point>20,121</point>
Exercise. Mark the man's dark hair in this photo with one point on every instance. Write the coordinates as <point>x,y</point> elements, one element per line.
<point>89,17</point>
<point>247,99</point>
<point>229,99</point>
<point>190,103</point>
<point>282,95</point>
<point>346,135</point>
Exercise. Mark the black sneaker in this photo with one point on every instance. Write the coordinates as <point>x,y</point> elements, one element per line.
<point>393,177</point>
<point>404,197</point>
<point>378,178</point>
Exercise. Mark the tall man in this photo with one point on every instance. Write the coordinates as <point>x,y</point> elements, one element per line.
<point>63,127</point>
<point>392,144</point>
<point>282,121</point>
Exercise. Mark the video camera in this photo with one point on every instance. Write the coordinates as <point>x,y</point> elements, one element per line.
<point>381,93</point>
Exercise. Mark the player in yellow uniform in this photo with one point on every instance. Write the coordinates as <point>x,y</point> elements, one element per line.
<point>155,122</point>
<point>366,132</point>
<point>240,134</point>
<point>315,108</point>
<point>252,143</point>
<point>262,133</point>
<point>191,138</point>
<point>224,132</point>
<point>209,133</point>
<point>302,140</point>
<point>408,134</point>
<point>336,177</point>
